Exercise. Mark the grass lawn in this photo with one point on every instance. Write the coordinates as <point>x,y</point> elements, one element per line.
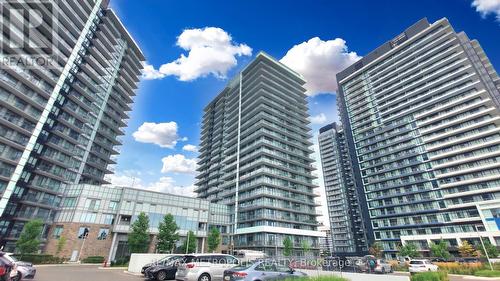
<point>487,273</point>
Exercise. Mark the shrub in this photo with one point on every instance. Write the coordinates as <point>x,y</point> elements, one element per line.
<point>460,268</point>
<point>430,276</point>
<point>39,258</point>
<point>487,273</point>
<point>120,261</point>
<point>93,259</point>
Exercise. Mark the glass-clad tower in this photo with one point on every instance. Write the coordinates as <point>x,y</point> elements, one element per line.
<point>421,114</point>
<point>60,123</point>
<point>347,225</point>
<point>255,157</point>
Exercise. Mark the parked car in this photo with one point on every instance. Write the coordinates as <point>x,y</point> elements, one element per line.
<point>438,260</point>
<point>162,261</point>
<point>6,266</point>
<point>249,255</point>
<point>24,270</point>
<point>421,266</point>
<point>165,270</point>
<point>205,267</point>
<point>469,260</point>
<point>262,270</point>
<point>370,263</point>
<point>382,266</point>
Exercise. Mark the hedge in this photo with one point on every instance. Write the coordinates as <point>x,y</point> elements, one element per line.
<point>93,259</point>
<point>431,276</point>
<point>39,258</point>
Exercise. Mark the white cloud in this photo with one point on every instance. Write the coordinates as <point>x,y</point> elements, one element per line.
<point>167,185</point>
<point>486,7</point>
<point>319,61</point>
<point>211,50</point>
<point>190,147</point>
<point>178,163</point>
<point>150,73</point>
<point>162,134</point>
<point>164,184</point>
<point>318,119</point>
<point>124,179</point>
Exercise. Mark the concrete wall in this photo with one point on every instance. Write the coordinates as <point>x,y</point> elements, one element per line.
<point>137,261</point>
<point>357,276</point>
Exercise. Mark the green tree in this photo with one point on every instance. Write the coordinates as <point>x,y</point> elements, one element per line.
<point>408,250</point>
<point>138,238</point>
<point>190,243</point>
<point>466,250</point>
<point>167,234</point>
<point>29,239</point>
<point>213,239</point>
<point>376,250</point>
<point>440,250</point>
<point>60,244</point>
<point>305,247</point>
<point>490,249</point>
<point>287,246</point>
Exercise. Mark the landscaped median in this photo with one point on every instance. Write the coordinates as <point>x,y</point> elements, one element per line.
<point>431,276</point>
<point>455,268</point>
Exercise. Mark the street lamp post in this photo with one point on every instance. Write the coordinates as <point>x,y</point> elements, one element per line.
<point>187,243</point>
<point>484,248</point>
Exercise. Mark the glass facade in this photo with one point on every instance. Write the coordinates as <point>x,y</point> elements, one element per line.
<point>255,157</point>
<point>347,225</point>
<point>60,125</point>
<point>191,214</point>
<point>421,115</point>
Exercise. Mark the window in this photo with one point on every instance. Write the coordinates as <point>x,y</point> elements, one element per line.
<point>57,232</point>
<point>92,204</point>
<point>231,260</point>
<point>83,232</point>
<point>125,220</point>
<point>113,205</point>
<point>103,234</point>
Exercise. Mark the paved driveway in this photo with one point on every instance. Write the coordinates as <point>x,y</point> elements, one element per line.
<point>82,273</point>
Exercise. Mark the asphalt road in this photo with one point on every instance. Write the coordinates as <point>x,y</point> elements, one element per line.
<point>82,273</point>
<point>93,273</point>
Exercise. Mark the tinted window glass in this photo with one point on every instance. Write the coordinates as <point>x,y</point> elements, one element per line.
<point>231,260</point>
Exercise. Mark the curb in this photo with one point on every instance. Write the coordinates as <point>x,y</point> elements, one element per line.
<point>64,264</point>
<point>132,273</point>
<point>468,277</point>
<point>112,267</point>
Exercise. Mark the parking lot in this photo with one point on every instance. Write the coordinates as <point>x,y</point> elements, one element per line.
<point>93,273</point>
<point>82,273</point>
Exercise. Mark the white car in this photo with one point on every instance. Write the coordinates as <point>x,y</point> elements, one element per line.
<point>421,266</point>
<point>205,267</point>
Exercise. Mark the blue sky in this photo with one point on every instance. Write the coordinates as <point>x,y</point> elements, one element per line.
<point>272,26</point>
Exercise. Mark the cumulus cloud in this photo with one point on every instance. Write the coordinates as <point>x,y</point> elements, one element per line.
<point>318,119</point>
<point>319,61</point>
<point>190,147</point>
<point>163,184</point>
<point>486,7</point>
<point>167,185</point>
<point>124,179</point>
<point>178,163</point>
<point>211,50</point>
<point>162,134</point>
